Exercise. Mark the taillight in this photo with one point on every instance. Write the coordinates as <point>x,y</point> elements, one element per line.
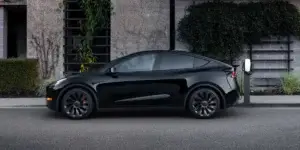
<point>233,74</point>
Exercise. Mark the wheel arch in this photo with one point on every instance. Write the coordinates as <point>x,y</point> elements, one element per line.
<point>209,85</point>
<point>77,85</point>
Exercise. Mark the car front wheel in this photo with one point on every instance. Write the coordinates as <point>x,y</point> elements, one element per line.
<point>204,103</point>
<point>77,103</point>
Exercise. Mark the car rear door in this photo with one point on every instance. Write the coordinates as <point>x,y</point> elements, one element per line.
<point>173,68</point>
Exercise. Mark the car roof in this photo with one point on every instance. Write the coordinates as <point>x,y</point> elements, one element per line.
<point>182,52</point>
<point>169,51</point>
<point>163,51</point>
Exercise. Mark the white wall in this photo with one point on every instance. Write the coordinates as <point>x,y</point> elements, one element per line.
<point>46,16</point>
<point>3,33</point>
<point>139,25</point>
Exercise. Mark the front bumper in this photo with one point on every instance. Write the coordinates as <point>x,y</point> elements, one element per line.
<point>52,98</point>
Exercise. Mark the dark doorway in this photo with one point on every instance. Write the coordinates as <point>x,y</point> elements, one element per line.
<point>16,31</point>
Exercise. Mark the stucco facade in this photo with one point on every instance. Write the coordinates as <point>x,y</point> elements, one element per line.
<point>46,16</point>
<point>136,25</point>
<point>139,25</point>
<point>135,19</point>
<point>43,16</point>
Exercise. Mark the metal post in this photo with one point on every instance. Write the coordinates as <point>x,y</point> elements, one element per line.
<point>172,25</point>
<point>247,80</point>
<point>246,88</point>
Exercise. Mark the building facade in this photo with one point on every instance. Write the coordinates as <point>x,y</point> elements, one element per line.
<point>135,25</point>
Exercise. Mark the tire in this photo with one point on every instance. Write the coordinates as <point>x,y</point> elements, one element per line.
<point>204,103</point>
<point>77,103</point>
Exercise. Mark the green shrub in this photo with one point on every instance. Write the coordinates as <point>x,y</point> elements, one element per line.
<point>18,76</point>
<point>290,84</point>
<point>41,90</point>
<point>220,29</point>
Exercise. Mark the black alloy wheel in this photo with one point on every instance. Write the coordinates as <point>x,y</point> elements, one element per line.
<point>204,103</point>
<point>77,103</point>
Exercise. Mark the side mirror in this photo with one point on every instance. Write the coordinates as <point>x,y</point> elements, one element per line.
<point>247,65</point>
<point>112,70</point>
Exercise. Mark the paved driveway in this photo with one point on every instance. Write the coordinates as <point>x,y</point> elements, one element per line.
<point>239,128</point>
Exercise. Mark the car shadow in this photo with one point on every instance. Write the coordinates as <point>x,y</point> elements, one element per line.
<point>147,113</point>
<point>138,113</point>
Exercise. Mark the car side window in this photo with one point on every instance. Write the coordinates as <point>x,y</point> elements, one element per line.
<point>175,61</point>
<point>137,63</point>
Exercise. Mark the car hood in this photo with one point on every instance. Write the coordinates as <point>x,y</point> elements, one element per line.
<point>86,74</point>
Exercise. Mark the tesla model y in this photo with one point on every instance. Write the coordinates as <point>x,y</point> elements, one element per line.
<point>202,86</point>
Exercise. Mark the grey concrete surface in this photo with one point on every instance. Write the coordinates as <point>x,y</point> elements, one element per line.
<point>276,99</point>
<point>22,102</point>
<point>238,128</point>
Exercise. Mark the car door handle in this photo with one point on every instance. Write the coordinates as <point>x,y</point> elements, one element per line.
<point>114,75</point>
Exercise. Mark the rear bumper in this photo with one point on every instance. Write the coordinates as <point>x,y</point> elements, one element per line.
<point>232,98</point>
<point>233,95</point>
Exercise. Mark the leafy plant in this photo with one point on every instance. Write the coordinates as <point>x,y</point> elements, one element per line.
<point>18,76</point>
<point>290,84</point>
<point>220,29</point>
<point>212,29</point>
<point>41,89</point>
<point>97,15</point>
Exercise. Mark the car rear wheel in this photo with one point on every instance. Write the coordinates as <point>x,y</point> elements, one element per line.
<point>204,103</point>
<point>77,103</point>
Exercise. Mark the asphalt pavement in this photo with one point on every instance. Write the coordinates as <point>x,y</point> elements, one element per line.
<point>260,101</point>
<point>238,128</point>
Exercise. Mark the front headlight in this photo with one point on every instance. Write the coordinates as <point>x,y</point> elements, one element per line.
<point>59,81</point>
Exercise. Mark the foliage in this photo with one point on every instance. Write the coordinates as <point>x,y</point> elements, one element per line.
<point>220,29</point>
<point>97,15</point>
<point>18,76</point>
<point>41,89</point>
<point>290,84</point>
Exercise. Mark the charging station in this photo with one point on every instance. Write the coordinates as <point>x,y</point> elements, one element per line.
<point>247,73</point>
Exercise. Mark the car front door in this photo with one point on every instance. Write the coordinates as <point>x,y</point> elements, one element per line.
<point>133,83</point>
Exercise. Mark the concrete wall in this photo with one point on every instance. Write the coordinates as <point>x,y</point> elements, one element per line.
<point>3,33</point>
<point>45,16</point>
<point>296,47</point>
<point>136,25</point>
<point>139,25</point>
<point>296,55</point>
